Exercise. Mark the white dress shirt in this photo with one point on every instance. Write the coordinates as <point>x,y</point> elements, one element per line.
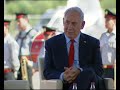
<point>25,49</point>
<point>11,49</point>
<point>108,47</point>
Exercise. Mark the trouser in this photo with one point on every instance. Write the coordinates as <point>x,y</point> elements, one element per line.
<point>29,71</point>
<point>9,76</point>
<point>83,80</point>
<point>108,73</point>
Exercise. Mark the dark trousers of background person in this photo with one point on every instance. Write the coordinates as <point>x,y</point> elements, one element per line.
<point>29,71</point>
<point>108,73</point>
<point>9,76</point>
<point>84,81</point>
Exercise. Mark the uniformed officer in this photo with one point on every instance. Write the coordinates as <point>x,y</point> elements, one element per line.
<point>11,49</point>
<point>48,33</point>
<point>108,44</point>
<point>24,38</point>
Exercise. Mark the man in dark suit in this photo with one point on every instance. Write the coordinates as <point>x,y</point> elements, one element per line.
<point>73,57</point>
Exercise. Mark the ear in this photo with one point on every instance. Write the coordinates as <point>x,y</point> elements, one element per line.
<point>63,21</point>
<point>83,24</point>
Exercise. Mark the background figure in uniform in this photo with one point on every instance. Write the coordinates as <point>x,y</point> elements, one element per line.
<point>48,33</point>
<point>24,39</point>
<point>72,56</point>
<point>11,49</point>
<point>108,44</point>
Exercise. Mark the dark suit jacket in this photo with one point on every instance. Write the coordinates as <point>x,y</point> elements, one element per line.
<point>56,56</point>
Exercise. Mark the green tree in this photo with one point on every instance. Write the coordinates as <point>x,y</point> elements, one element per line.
<point>32,7</point>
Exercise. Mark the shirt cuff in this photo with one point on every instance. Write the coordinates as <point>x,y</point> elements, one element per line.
<point>61,76</point>
<point>80,68</point>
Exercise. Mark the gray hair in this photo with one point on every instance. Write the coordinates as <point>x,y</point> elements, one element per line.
<point>76,9</point>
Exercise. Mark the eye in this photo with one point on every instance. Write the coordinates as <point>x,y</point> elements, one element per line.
<point>74,23</point>
<point>67,22</point>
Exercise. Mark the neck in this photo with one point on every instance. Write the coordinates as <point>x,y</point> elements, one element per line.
<point>24,28</point>
<point>110,30</point>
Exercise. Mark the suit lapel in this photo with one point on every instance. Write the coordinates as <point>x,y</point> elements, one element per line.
<point>64,49</point>
<point>82,48</point>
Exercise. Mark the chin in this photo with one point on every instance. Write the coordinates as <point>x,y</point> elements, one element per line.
<point>71,37</point>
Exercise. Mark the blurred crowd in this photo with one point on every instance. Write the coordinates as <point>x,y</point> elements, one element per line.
<point>30,40</point>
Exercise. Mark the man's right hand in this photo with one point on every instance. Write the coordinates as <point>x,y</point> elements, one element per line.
<point>24,58</point>
<point>71,74</point>
<point>67,75</point>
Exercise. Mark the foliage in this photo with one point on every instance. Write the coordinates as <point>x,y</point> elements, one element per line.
<point>108,4</point>
<point>32,6</point>
<point>40,6</point>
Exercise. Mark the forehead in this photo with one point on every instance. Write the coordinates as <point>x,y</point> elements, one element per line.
<point>72,15</point>
<point>20,19</point>
<point>109,18</point>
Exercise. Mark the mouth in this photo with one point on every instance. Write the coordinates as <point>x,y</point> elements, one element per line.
<point>70,32</point>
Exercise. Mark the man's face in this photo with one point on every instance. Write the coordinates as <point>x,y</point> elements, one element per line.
<point>109,23</point>
<point>49,35</point>
<point>72,24</point>
<point>22,22</point>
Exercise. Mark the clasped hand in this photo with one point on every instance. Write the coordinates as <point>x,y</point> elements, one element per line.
<point>70,74</point>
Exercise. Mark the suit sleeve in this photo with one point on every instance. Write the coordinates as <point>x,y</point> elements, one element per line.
<point>50,71</point>
<point>98,59</point>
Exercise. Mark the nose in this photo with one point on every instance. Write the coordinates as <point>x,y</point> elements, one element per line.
<point>70,26</point>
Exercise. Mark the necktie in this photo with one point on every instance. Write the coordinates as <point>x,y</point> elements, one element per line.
<point>71,53</point>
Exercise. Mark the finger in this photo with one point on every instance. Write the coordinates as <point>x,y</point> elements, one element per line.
<point>72,75</point>
<point>65,68</point>
<point>69,79</point>
<point>70,68</point>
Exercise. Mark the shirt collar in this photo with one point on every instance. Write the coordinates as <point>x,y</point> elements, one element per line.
<point>23,33</point>
<point>68,39</point>
<point>27,29</point>
<point>113,32</point>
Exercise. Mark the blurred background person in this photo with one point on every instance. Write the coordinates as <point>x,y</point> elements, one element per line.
<point>11,49</point>
<point>37,55</point>
<point>24,37</point>
<point>108,44</point>
<point>48,33</point>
